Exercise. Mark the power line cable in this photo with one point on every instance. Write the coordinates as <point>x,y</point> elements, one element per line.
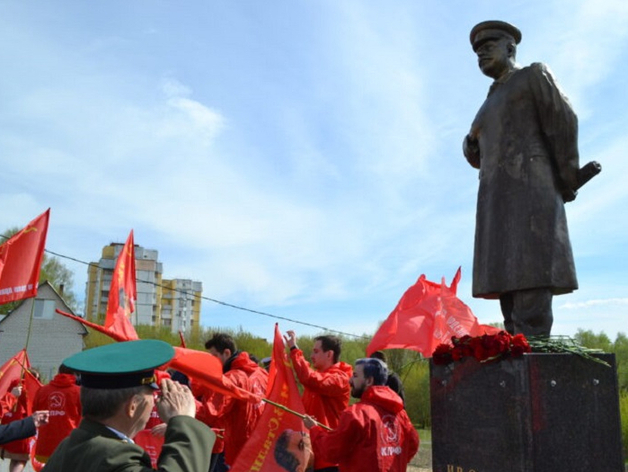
<point>213,300</point>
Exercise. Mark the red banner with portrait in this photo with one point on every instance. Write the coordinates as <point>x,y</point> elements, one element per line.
<point>280,441</point>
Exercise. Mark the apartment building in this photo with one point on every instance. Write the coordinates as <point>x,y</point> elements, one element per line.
<point>172,303</point>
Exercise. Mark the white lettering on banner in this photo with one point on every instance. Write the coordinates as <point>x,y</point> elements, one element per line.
<point>390,451</point>
<point>454,324</point>
<point>56,413</point>
<point>17,289</point>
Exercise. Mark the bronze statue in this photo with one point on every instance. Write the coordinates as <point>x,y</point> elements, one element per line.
<point>524,140</point>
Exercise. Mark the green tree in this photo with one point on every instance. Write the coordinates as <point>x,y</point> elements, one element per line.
<point>620,348</point>
<point>52,270</point>
<point>594,341</point>
<point>60,277</point>
<point>623,410</point>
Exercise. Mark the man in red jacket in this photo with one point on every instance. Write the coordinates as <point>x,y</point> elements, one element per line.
<point>374,434</point>
<point>326,386</point>
<point>62,397</point>
<point>237,417</point>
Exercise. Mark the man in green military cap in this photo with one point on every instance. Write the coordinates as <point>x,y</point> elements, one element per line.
<point>117,397</point>
<point>524,141</point>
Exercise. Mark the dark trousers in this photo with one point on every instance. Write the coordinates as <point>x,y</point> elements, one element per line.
<point>528,311</point>
<point>217,463</point>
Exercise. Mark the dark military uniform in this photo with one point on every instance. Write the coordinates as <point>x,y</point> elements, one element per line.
<point>94,447</point>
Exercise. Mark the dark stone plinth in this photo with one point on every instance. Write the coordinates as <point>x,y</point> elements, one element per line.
<point>536,413</point>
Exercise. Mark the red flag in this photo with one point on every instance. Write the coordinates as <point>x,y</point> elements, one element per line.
<point>31,386</point>
<point>427,315</point>
<point>20,260</point>
<point>206,370</point>
<point>123,293</point>
<point>12,370</point>
<point>279,437</point>
<point>37,466</point>
<point>182,339</point>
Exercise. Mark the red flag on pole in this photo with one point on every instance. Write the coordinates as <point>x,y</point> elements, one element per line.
<point>101,329</point>
<point>12,370</point>
<point>427,315</point>
<point>206,370</point>
<point>20,260</point>
<point>279,441</point>
<point>31,386</point>
<point>123,293</point>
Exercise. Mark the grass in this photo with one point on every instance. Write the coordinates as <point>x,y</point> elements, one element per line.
<point>423,459</point>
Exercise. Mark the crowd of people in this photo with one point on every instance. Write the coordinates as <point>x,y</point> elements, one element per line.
<point>129,415</point>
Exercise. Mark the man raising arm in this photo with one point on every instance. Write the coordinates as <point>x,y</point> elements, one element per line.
<point>326,383</point>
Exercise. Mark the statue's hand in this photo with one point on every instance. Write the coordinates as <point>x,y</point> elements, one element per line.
<point>471,150</point>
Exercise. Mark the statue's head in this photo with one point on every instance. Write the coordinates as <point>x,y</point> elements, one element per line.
<point>495,43</point>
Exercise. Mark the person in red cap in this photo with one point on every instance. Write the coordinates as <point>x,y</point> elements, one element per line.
<point>325,383</point>
<point>524,141</point>
<point>61,397</point>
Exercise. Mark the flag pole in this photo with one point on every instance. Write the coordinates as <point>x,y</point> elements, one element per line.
<point>296,413</point>
<point>28,336</point>
<point>30,324</point>
<point>28,333</point>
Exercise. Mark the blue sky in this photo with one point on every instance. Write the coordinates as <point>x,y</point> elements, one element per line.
<point>299,158</point>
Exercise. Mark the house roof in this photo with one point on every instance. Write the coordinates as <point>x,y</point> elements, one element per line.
<point>59,297</point>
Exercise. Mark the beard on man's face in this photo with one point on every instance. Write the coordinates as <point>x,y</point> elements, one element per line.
<point>357,391</point>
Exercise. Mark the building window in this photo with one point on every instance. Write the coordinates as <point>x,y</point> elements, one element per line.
<point>44,309</point>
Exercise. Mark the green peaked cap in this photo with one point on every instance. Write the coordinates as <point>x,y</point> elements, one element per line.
<point>121,365</point>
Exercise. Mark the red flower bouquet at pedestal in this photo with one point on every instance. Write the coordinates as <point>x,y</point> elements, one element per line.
<point>486,348</point>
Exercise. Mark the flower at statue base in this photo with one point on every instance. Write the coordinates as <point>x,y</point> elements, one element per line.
<point>519,345</point>
<point>443,353</point>
<point>486,348</point>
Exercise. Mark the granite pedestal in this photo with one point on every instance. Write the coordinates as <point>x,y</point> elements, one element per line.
<point>536,413</point>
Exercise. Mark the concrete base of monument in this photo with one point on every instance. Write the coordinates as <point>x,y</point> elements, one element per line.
<point>536,413</point>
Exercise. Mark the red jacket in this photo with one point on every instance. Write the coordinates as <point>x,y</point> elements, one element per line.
<point>237,417</point>
<point>374,434</point>
<point>62,397</point>
<point>325,394</point>
<point>15,409</point>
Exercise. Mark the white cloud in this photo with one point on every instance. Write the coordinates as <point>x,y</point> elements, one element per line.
<point>614,302</point>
